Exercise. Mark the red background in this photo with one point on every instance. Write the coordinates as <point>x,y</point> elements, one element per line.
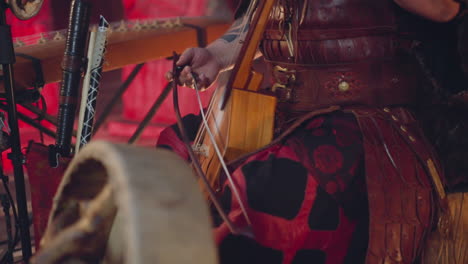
<point>145,88</point>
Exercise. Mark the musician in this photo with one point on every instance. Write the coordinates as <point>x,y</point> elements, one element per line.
<point>350,178</point>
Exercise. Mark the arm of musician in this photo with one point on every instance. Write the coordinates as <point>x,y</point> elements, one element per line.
<point>208,62</point>
<point>436,10</point>
<point>231,42</point>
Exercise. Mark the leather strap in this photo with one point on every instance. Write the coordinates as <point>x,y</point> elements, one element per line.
<point>420,147</point>
<point>333,33</point>
<point>376,83</point>
<point>399,186</point>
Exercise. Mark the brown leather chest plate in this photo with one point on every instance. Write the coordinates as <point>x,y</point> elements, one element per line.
<point>327,32</point>
<point>346,52</point>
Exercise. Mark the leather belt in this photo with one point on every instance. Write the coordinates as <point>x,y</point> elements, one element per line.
<point>377,83</point>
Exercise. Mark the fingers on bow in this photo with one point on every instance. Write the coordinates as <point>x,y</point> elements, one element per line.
<point>189,78</point>
<point>185,76</point>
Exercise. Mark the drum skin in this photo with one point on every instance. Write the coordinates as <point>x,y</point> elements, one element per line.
<point>127,204</point>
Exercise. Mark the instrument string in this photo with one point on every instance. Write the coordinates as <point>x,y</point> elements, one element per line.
<point>221,159</point>
<point>236,50</point>
<point>195,162</point>
<point>205,128</point>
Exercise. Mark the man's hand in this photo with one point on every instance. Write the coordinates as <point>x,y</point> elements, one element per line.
<point>201,62</point>
<point>207,62</point>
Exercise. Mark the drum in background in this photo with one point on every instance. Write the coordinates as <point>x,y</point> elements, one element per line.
<point>25,9</point>
<point>126,204</point>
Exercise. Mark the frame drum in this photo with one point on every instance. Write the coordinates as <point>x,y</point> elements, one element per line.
<point>127,204</point>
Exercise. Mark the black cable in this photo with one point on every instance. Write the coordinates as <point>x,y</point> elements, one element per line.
<point>16,239</point>
<point>41,116</point>
<point>6,205</point>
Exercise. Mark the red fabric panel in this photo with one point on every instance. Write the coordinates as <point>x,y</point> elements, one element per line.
<point>305,196</point>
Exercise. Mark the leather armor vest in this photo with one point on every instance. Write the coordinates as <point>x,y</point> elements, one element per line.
<point>346,52</point>
<point>333,33</point>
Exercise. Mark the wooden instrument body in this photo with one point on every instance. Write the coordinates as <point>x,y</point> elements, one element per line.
<point>241,117</point>
<point>244,125</point>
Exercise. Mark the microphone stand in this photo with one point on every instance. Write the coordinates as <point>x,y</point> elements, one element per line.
<point>7,59</point>
<point>73,65</point>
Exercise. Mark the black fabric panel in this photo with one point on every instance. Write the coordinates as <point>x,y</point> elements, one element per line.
<point>325,212</point>
<point>275,186</point>
<point>312,256</point>
<point>354,199</point>
<point>226,200</point>
<point>242,250</point>
<point>358,245</point>
<point>191,124</point>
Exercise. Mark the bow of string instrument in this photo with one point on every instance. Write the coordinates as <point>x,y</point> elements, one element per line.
<point>238,120</point>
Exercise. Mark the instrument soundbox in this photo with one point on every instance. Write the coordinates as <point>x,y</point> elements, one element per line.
<point>240,118</point>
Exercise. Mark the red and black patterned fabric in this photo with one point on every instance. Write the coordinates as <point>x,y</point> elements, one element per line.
<point>305,196</point>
